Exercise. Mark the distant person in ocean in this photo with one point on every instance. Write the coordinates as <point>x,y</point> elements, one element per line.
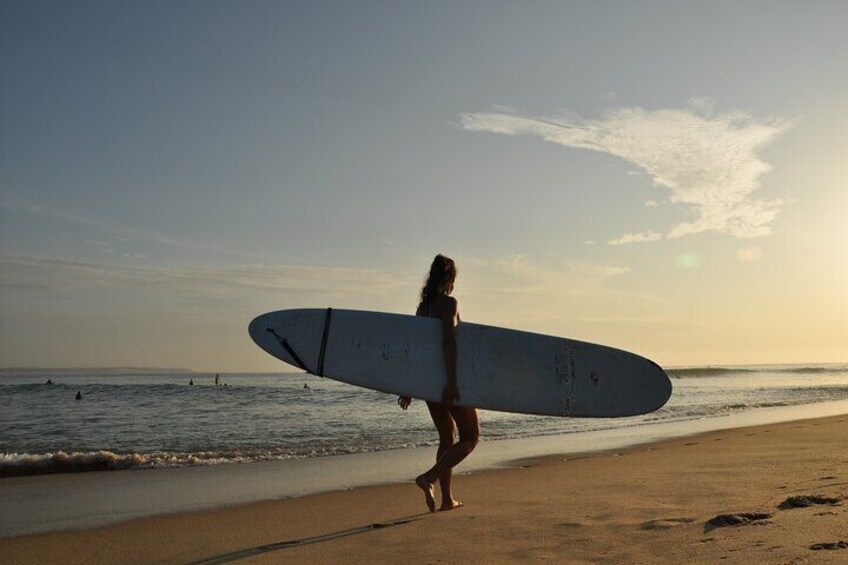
<point>217,380</point>
<point>437,302</point>
<point>191,382</point>
<point>49,382</point>
<point>79,395</point>
<point>305,385</point>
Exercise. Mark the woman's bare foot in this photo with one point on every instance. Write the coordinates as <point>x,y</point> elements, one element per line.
<point>428,492</point>
<point>450,505</point>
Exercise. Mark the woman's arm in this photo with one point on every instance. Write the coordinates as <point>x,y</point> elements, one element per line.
<point>405,401</point>
<point>449,314</point>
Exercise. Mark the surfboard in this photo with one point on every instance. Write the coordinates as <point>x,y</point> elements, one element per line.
<point>497,368</point>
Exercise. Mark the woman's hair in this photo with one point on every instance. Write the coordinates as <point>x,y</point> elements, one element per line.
<point>442,275</point>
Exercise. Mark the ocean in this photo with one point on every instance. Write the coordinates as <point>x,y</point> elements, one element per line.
<point>131,418</point>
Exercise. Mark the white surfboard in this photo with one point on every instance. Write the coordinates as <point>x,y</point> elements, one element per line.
<point>497,368</point>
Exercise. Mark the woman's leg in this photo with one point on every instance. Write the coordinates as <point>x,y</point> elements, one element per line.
<point>446,428</point>
<point>469,435</point>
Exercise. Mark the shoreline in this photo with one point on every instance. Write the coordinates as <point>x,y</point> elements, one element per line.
<point>646,503</point>
<point>73,501</point>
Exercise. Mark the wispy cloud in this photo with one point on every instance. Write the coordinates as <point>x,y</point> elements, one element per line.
<point>709,161</point>
<point>547,292</point>
<point>120,233</point>
<point>527,275</point>
<point>530,292</point>
<point>63,276</point>
<point>642,237</point>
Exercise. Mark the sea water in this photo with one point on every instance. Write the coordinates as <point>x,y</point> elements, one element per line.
<point>150,418</point>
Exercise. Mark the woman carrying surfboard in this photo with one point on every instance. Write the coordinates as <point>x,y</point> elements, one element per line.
<point>437,302</point>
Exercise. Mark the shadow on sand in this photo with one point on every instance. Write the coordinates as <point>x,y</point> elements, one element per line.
<point>276,546</point>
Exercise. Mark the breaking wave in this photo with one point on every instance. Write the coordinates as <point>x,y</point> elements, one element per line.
<point>21,464</point>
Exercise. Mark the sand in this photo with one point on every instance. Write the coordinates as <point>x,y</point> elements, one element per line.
<point>768,494</point>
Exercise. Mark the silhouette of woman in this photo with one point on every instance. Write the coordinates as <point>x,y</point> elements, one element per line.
<point>437,302</point>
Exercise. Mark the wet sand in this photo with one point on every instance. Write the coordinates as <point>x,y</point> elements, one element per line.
<point>769,494</point>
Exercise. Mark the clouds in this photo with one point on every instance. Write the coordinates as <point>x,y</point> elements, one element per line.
<point>522,274</point>
<point>120,234</point>
<point>61,277</point>
<point>530,292</point>
<point>709,162</point>
<point>495,276</point>
<point>644,236</point>
<point>548,293</point>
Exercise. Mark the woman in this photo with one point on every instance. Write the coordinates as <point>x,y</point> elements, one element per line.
<point>436,302</point>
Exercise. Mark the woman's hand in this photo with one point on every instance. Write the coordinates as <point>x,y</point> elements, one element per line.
<point>450,394</point>
<point>404,402</point>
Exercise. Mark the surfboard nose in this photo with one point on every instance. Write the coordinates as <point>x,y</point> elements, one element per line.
<point>270,331</point>
<point>257,328</point>
<point>664,386</point>
<point>293,336</point>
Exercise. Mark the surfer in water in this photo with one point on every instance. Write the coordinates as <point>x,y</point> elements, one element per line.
<point>437,302</point>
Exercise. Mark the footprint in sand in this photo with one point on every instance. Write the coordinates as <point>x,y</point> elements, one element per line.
<point>829,545</point>
<point>805,500</point>
<point>665,523</point>
<point>741,519</point>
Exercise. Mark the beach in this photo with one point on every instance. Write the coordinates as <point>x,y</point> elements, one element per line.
<point>771,493</point>
<point>269,269</point>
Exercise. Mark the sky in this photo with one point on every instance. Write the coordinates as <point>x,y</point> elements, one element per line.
<point>669,178</point>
